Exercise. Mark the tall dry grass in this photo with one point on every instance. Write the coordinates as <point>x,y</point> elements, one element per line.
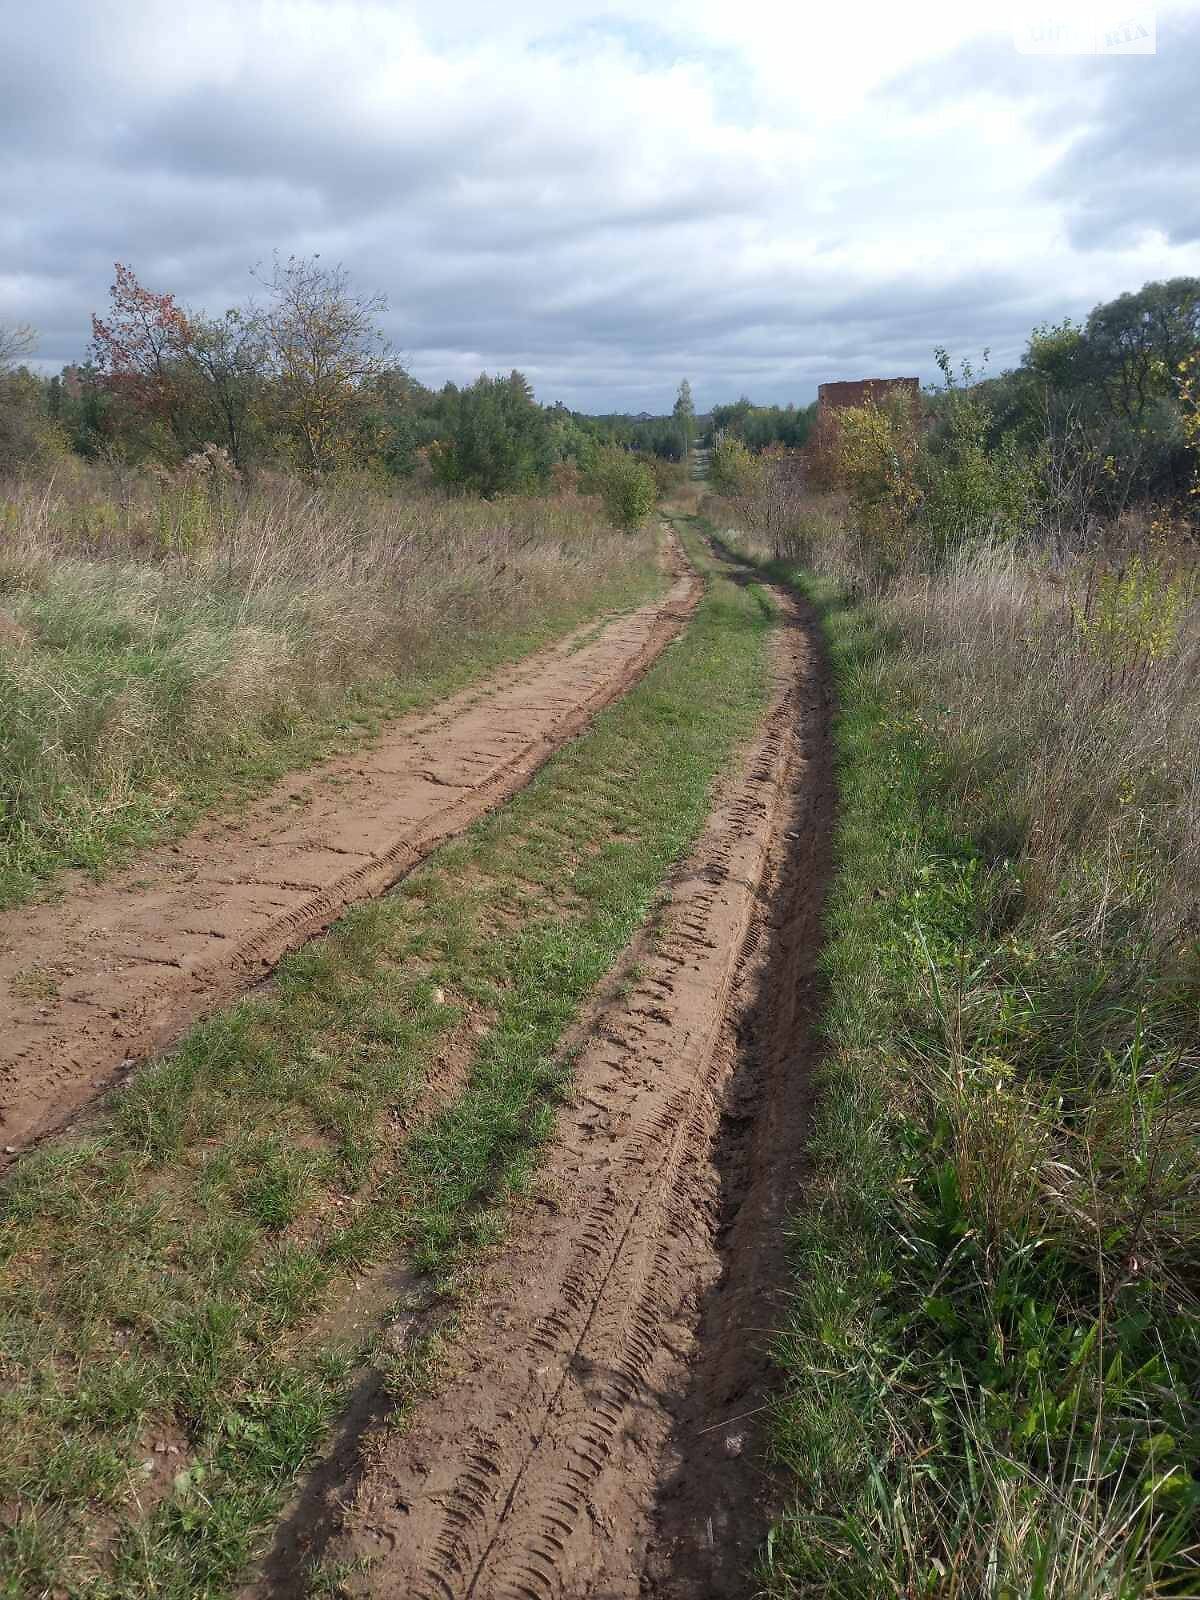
<point>991,1369</point>
<point>1071,692</point>
<point>1066,681</point>
<point>161,636</point>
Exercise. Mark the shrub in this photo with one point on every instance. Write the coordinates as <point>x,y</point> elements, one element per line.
<point>971,486</point>
<point>29,440</point>
<point>626,485</point>
<point>876,453</point>
<point>1131,617</point>
<point>780,511</point>
<point>1189,406</point>
<point>734,469</point>
<point>669,476</point>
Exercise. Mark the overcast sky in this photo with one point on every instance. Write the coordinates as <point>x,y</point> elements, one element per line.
<point>758,194</point>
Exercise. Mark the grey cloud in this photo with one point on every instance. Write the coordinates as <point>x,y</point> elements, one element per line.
<point>1132,124</point>
<point>1136,164</point>
<point>529,217</point>
<point>989,64</point>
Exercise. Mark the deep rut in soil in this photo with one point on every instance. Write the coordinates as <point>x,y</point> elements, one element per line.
<point>94,982</point>
<point>605,1438</point>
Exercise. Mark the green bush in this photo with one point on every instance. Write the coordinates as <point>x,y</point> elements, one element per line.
<point>669,476</point>
<point>626,485</point>
<point>496,440</point>
<point>972,483</point>
<point>733,468</point>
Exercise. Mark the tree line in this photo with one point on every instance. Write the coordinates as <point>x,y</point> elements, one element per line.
<point>301,376</point>
<point>1096,417</point>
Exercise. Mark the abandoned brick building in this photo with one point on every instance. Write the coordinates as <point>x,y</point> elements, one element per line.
<point>833,397</point>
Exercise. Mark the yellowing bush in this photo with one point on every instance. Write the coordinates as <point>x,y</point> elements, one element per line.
<point>876,453</point>
<point>733,468</point>
<point>1132,616</point>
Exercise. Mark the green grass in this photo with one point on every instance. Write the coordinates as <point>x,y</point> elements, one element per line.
<point>165,1275</point>
<point>989,1375</point>
<point>134,761</point>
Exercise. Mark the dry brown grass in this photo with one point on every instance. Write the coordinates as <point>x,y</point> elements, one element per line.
<point>1095,737</point>
<point>1067,679</point>
<point>158,637</point>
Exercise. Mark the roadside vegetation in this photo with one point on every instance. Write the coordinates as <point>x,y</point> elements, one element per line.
<point>169,642</point>
<point>991,1364</point>
<point>230,544</point>
<point>298,377</point>
<point>170,1275</point>
<point>989,1371</point>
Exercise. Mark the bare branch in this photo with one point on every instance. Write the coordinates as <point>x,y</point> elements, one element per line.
<point>16,340</point>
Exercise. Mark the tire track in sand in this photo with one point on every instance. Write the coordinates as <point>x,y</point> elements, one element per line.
<point>93,983</point>
<point>597,1445</point>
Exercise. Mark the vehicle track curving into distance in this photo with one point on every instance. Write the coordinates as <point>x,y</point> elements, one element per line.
<point>605,1437</point>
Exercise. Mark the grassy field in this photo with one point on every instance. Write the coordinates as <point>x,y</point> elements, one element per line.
<point>989,1376</point>
<point>164,647</point>
<point>169,1275</point>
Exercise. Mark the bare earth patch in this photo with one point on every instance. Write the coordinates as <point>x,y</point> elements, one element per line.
<point>603,1438</point>
<point>93,983</point>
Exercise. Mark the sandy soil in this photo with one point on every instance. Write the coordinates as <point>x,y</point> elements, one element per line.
<point>604,1438</point>
<point>94,982</point>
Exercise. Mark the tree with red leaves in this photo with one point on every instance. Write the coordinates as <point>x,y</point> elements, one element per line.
<point>140,352</point>
<point>186,380</point>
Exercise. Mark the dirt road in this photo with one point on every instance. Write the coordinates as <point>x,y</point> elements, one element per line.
<point>92,983</point>
<point>605,1437</point>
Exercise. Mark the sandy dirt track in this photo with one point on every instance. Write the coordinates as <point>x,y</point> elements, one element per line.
<point>92,983</point>
<point>604,1439</point>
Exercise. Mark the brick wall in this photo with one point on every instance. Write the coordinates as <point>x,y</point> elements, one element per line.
<point>836,396</point>
<point>819,452</point>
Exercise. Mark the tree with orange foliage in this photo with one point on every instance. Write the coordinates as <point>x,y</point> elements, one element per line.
<point>183,379</point>
<point>138,350</point>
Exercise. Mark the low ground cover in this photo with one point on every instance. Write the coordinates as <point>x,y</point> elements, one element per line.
<point>989,1369</point>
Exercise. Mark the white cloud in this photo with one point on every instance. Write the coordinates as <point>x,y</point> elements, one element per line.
<point>761,196</point>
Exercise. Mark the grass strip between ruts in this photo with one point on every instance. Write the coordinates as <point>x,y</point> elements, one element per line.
<point>164,1272</point>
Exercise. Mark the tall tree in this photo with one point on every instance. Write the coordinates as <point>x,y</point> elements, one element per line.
<point>1132,346</point>
<point>497,439</point>
<point>182,380</point>
<point>16,339</point>
<point>685,416</point>
<point>225,360</point>
<point>27,433</point>
<point>138,351</point>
